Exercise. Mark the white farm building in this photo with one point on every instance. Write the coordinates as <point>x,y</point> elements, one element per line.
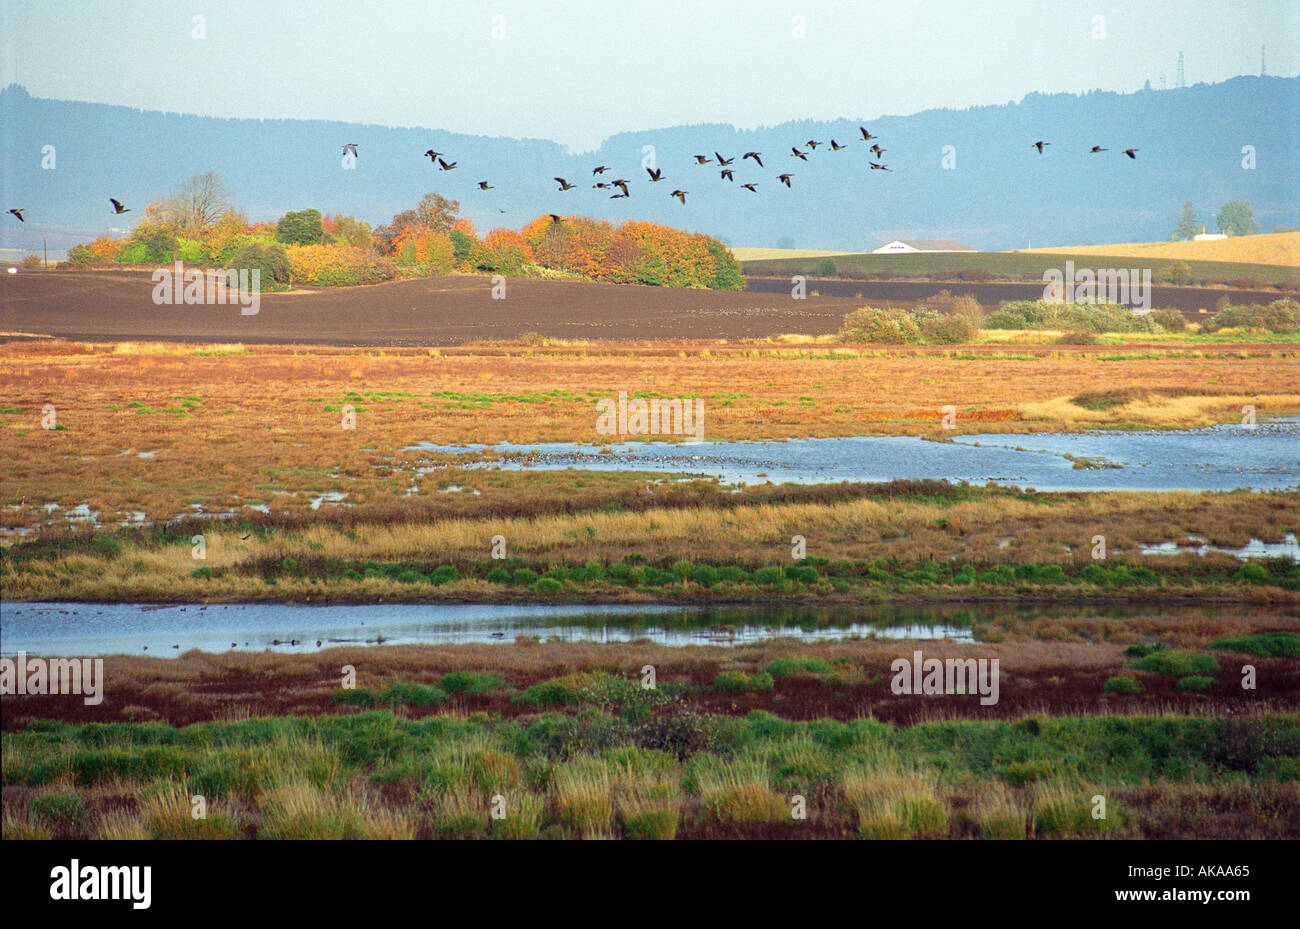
<point>899,247</point>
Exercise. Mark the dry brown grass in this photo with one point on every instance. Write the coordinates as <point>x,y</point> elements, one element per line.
<point>1279,248</point>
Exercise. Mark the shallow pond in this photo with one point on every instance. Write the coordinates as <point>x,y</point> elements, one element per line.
<point>124,628</point>
<point>1263,457</point>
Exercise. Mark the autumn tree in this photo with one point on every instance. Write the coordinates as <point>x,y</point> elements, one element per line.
<point>434,212</point>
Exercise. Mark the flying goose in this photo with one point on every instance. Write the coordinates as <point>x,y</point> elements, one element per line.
<point>867,136</point>
<point>484,185</point>
<point>750,187</point>
<point>795,153</point>
<point>784,179</point>
<point>350,147</point>
<point>117,207</point>
<point>445,166</point>
<point>755,156</point>
<point>702,159</point>
<point>19,214</point>
<point>656,174</point>
<point>728,174</point>
<point>680,195</point>
<point>1039,146</point>
<point>1131,152</point>
<point>564,185</point>
<point>723,161</point>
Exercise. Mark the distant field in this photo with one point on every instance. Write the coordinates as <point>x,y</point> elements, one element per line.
<point>1282,248</point>
<point>1021,266</point>
<point>763,254</point>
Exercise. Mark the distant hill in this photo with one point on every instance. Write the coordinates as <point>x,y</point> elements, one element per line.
<point>1001,193</point>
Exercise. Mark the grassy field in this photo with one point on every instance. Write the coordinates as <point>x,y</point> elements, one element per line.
<point>612,541</point>
<point>641,774</point>
<point>1281,248</point>
<point>157,432</point>
<point>1029,266</point>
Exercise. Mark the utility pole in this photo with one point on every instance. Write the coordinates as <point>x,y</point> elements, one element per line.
<point>45,247</point>
<point>1180,71</point>
<point>1263,68</point>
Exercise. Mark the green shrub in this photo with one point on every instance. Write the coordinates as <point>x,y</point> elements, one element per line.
<point>1196,682</point>
<point>270,261</point>
<point>1123,685</point>
<point>1171,663</point>
<point>1264,644</point>
<point>66,809</point>
<point>499,576</point>
<point>525,577</point>
<point>793,667</point>
<point>548,585</point>
<point>470,682</point>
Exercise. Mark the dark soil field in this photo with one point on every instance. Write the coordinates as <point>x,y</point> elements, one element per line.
<point>118,306</point>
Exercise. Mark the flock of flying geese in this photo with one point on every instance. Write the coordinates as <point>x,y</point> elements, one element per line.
<point>726,172</point>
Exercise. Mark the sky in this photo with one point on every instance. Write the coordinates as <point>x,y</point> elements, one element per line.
<point>576,72</point>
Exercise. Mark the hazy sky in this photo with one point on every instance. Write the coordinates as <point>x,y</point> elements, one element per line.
<point>579,71</point>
